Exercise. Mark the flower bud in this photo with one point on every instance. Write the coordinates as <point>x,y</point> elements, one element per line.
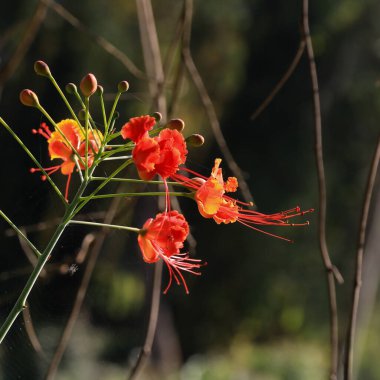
<point>71,88</point>
<point>82,114</point>
<point>177,124</point>
<point>157,116</point>
<point>99,90</point>
<point>195,140</point>
<point>41,68</point>
<point>29,98</point>
<point>123,86</point>
<point>88,85</point>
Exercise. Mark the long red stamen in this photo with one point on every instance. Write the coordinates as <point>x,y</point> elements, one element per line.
<point>67,187</point>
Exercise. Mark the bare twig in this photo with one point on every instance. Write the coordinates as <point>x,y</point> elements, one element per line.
<point>23,46</point>
<point>154,68</point>
<point>152,56</point>
<point>101,41</point>
<point>152,324</point>
<point>331,271</point>
<point>207,103</point>
<point>89,268</point>
<point>290,70</point>
<point>29,328</point>
<point>348,364</point>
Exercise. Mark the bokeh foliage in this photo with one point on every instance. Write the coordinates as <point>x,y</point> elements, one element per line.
<point>261,305</point>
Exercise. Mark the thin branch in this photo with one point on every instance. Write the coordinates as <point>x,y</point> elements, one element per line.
<point>322,194</point>
<point>24,44</point>
<point>152,56</point>
<point>152,324</point>
<point>154,68</point>
<point>288,73</point>
<point>101,41</point>
<point>348,364</point>
<point>207,103</point>
<point>29,328</point>
<point>89,268</point>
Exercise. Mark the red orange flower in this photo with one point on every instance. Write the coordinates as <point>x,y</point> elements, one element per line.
<point>212,201</point>
<point>154,155</point>
<point>68,132</point>
<point>137,128</point>
<point>163,238</point>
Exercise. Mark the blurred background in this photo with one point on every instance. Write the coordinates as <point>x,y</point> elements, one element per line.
<point>260,309</point>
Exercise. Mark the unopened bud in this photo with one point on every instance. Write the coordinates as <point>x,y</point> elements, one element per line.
<point>71,88</point>
<point>41,68</point>
<point>29,98</point>
<point>177,124</point>
<point>157,116</point>
<point>99,90</point>
<point>82,114</point>
<point>88,85</point>
<point>195,140</point>
<point>123,86</point>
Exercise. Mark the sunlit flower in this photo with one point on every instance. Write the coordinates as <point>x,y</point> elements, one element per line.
<point>212,201</point>
<point>61,145</point>
<point>163,238</point>
<point>137,128</point>
<point>160,155</point>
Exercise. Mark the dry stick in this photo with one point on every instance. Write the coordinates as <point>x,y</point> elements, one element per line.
<point>154,69</point>
<point>29,328</point>
<point>207,103</point>
<point>322,195</point>
<point>89,268</point>
<point>348,363</point>
<point>282,81</point>
<point>23,46</point>
<point>101,41</point>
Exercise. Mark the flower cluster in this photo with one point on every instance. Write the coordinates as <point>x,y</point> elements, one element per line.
<point>156,151</point>
<point>68,143</point>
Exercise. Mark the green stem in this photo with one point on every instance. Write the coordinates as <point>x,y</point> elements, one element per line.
<point>87,105</point>
<point>29,153</point>
<point>132,180</point>
<point>104,114</point>
<point>116,227</point>
<point>109,153</point>
<point>116,158</point>
<point>55,84</point>
<point>88,198</point>
<point>92,125</point>
<point>42,259</point>
<point>20,233</point>
<point>112,111</point>
<point>146,194</point>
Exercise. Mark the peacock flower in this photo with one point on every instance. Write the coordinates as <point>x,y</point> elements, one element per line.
<point>213,202</point>
<point>163,238</point>
<point>61,144</point>
<point>160,155</point>
<point>137,128</point>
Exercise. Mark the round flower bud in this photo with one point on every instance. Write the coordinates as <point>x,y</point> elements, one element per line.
<point>195,140</point>
<point>99,90</point>
<point>177,124</point>
<point>71,88</point>
<point>82,114</point>
<point>41,68</point>
<point>29,98</point>
<point>157,116</point>
<point>123,86</point>
<point>88,85</point>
